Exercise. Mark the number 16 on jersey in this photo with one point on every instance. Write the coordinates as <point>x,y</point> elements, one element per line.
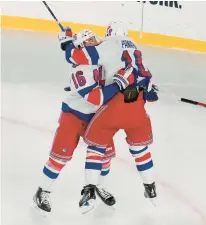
<point>80,79</point>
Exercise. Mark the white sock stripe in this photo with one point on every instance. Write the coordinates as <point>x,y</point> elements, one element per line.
<point>52,154</point>
<point>59,161</point>
<point>90,154</point>
<point>94,153</point>
<point>106,169</point>
<point>137,148</point>
<point>108,155</point>
<point>141,154</point>
<point>140,143</point>
<point>93,161</point>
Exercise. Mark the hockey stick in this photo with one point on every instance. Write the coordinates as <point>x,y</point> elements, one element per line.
<point>192,102</point>
<point>59,24</point>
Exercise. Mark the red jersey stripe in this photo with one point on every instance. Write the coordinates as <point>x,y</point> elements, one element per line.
<point>79,57</point>
<point>94,96</point>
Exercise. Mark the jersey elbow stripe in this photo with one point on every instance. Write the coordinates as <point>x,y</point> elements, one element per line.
<point>87,90</point>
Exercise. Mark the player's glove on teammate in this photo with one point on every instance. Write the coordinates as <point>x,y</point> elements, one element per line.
<point>65,38</point>
<point>124,78</point>
<point>151,94</point>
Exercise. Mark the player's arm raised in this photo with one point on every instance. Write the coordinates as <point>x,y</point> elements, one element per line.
<point>65,38</point>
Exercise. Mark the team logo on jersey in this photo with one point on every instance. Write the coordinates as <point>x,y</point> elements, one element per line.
<point>64,150</point>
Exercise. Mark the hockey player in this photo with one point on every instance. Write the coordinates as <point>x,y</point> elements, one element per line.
<point>76,113</point>
<point>124,111</point>
<point>111,63</point>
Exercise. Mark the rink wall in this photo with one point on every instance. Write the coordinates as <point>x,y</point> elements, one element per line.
<point>170,24</point>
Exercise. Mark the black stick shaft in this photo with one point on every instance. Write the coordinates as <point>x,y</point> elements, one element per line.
<point>193,102</point>
<point>59,24</point>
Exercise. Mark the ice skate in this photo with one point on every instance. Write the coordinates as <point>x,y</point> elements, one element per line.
<point>150,192</point>
<point>42,202</point>
<point>88,197</point>
<point>105,196</point>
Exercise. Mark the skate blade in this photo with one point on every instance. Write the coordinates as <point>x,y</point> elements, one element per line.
<point>113,207</point>
<point>40,212</point>
<point>153,201</point>
<point>87,207</point>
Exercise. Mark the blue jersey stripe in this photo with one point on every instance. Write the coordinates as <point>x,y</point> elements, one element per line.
<point>86,90</point>
<point>80,115</point>
<point>93,53</point>
<point>109,91</point>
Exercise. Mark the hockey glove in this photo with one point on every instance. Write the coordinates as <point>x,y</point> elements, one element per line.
<point>151,95</point>
<point>65,38</point>
<point>131,94</point>
<point>124,78</point>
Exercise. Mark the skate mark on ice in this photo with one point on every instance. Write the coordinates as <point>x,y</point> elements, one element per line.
<point>26,124</point>
<point>183,198</point>
<point>178,195</point>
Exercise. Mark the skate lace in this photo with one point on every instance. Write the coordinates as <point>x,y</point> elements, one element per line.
<point>104,193</point>
<point>45,198</point>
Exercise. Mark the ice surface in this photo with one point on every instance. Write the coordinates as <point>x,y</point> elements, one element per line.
<point>34,74</point>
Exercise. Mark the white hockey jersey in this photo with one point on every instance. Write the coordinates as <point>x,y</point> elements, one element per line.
<point>80,100</point>
<point>98,63</point>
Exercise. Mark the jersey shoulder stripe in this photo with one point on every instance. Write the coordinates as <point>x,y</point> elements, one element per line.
<point>76,56</point>
<point>80,57</point>
<point>85,56</point>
